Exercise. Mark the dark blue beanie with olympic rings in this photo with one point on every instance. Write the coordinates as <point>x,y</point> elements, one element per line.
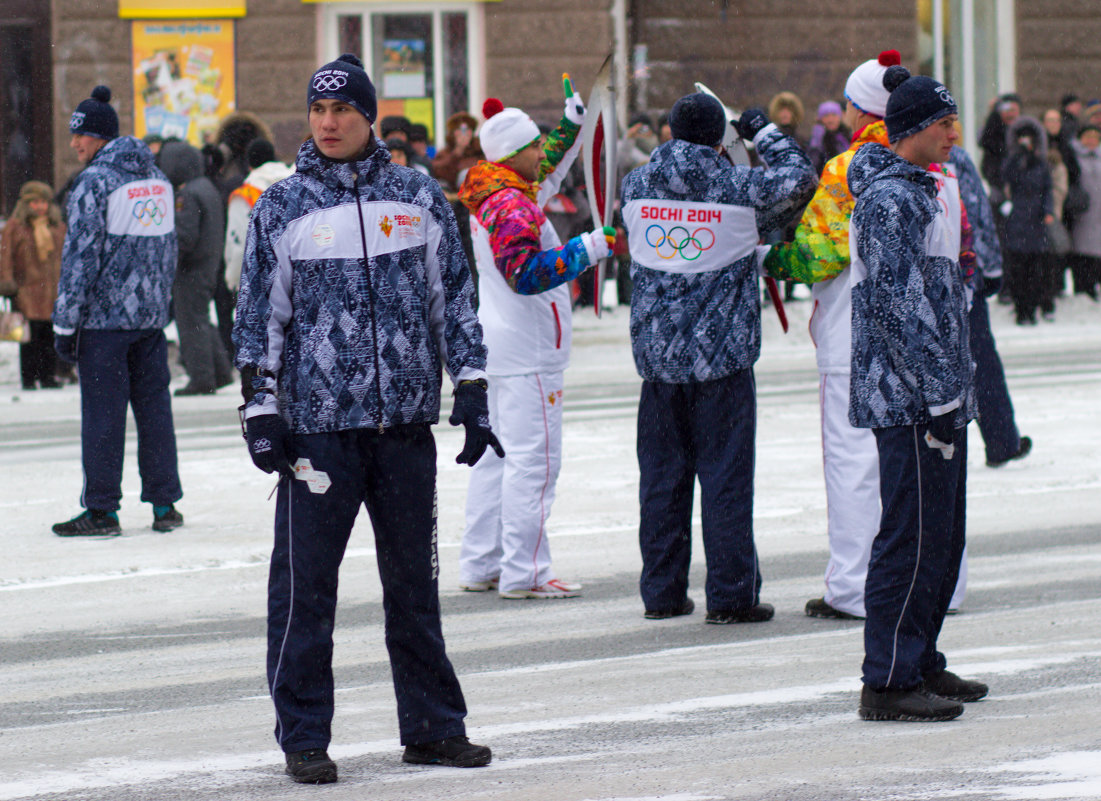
<point>916,102</point>
<point>96,116</point>
<point>346,80</point>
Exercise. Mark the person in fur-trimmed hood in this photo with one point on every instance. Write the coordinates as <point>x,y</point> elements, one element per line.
<point>523,270</point>
<point>913,384</point>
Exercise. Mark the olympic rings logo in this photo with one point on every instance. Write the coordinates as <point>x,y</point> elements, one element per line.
<point>329,83</point>
<point>150,212</point>
<point>677,241</point>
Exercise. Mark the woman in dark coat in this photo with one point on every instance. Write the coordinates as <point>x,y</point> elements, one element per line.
<point>1027,180</point>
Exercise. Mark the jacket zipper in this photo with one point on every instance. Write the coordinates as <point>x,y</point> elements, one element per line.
<point>370,299</point>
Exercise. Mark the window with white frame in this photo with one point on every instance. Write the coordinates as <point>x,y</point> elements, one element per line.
<point>425,59</point>
<point>969,45</point>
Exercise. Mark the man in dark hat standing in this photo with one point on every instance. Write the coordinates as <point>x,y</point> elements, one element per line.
<point>912,384</point>
<point>117,269</point>
<point>693,223</point>
<point>354,292</point>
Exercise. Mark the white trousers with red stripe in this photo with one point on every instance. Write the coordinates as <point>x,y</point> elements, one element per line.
<point>850,461</point>
<point>509,500</point>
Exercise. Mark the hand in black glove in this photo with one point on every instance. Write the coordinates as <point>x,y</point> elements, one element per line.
<point>991,286</point>
<point>65,345</point>
<point>471,410</point>
<point>939,433</point>
<point>750,123</point>
<point>268,438</point>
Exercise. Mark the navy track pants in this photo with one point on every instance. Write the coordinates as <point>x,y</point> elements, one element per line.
<point>916,556</point>
<point>120,369</point>
<point>394,475</point>
<point>704,430</point>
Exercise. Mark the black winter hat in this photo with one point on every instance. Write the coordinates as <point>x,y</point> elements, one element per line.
<point>259,152</point>
<point>96,116</point>
<point>916,102</point>
<point>698,118</point>
<point>345,79</point>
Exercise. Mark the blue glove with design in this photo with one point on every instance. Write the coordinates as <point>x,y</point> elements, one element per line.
<point>751,123</point>
<point>471,410</point>
<point>65,346</point>
<point>268,437</point>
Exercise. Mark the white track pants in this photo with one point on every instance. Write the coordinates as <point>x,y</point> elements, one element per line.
<point>509,500</point>
<point>850,462</point>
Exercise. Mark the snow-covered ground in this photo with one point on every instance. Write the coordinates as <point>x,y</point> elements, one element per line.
<point>571,668</point>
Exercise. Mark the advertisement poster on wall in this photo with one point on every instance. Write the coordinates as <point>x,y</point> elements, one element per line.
<point>184,80</point>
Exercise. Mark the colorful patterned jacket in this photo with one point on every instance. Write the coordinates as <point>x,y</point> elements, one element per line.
<point>524,303</point>
<point>693,224</point>
<point>119,258</point>
<point>911,357</point>
<point>354,292</point>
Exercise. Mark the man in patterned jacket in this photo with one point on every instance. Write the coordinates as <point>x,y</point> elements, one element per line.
<point>912,384</point>
<point>117,269</point>
<point>354,292</point>
<point>693,222</point>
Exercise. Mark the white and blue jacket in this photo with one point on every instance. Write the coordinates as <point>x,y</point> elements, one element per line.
<point>911,357</point>
<point>348,340</point>
<point>693,224</point>
<point>119,258</point>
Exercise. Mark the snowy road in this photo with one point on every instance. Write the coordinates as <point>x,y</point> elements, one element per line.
<point>132,668</point>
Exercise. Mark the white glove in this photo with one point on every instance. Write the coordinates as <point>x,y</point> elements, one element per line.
<point>598,244</point>
<point>575,109</point>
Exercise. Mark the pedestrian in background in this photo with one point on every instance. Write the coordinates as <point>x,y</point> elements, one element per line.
<point>1086,225</point>
<point>1028,210</point>
<point>117,268</point>
<point>30,267</point>
<point>200,231</point>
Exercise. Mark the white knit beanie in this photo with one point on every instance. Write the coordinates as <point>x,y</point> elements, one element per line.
<point>865,88</point>
<point>506,131</point>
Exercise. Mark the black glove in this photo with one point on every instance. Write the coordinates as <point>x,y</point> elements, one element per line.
<point>750,123</point>
<point>942,427</point>
<point>471,410</point>
<point>65,345</point>
<point>991,286</point>
<point>268,438</point>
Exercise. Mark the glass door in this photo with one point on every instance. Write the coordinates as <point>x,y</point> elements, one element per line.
<point>425,59</point>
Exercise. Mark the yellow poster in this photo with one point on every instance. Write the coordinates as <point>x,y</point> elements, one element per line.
<point>183,78</point>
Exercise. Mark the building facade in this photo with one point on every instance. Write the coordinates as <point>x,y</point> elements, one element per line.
<point>176,66</point>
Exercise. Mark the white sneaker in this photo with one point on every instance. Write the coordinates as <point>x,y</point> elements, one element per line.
<point>555,588</point>
<point>479,586</point>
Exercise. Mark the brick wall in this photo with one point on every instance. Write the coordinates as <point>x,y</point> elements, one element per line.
<point>275,49</point>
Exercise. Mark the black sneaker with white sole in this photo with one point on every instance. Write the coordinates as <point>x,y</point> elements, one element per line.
<point>92,523</point>
<point>913,705</point>
<point>311,766</point>
<point>455,752</point>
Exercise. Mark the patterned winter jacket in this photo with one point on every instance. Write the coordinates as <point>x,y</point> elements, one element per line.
<point>348,342</point>
<point>910,353</point>
<point>693,222</point>
<point>119,258</point>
